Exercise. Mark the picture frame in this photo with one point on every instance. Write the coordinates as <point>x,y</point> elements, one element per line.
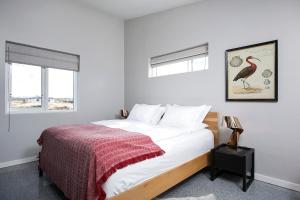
<point>252,72</point>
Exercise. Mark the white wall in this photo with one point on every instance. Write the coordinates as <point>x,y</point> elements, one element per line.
<point>271,128</point>
<point>71,27</point>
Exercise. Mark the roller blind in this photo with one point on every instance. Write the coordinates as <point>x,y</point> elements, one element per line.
<point>181,55</point>
<point>30,55</point>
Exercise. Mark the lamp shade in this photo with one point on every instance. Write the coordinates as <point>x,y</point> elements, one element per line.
<point>231,122</point>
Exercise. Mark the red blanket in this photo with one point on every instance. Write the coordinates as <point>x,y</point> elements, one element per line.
<point>80,158</point>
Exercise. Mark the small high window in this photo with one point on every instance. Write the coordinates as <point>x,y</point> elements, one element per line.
<point>187,60</point>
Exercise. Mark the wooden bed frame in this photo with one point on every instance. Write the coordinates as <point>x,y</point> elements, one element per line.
<point>161,183</point>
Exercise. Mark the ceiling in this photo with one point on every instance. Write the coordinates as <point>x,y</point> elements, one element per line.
<point>128,9</point>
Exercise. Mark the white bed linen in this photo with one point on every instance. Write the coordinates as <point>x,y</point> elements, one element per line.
<point>156,132</point>
<point>179,145</point>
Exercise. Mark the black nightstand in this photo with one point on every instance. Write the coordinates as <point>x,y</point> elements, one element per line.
<point>239,161</point>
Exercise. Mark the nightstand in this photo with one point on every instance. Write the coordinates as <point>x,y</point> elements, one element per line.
<point>239,161</point>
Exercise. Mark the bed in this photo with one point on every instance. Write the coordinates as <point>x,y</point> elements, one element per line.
<point>161,183</point>
<point>149,178</point>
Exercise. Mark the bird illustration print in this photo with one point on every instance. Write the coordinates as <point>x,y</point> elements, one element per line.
<point>246,72</point>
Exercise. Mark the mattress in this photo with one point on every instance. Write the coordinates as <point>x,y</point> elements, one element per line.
<point>179,145</point>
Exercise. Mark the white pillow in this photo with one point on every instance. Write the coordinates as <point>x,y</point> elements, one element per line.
<point>204,110</point>
<point>143,112</point>
<point>157,116</point>
<point>188,117</point>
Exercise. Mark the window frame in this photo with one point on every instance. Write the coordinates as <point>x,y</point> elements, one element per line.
<point>152,71</point>
<point>44,94</point>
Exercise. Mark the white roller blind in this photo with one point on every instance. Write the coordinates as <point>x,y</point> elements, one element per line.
<point>30,55</point>
<point>185,54</point>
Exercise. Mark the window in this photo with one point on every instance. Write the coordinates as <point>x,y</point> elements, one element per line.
<point>60,89</point>
<point>26,87</point>
<point>187,60</point>
<point>35,87</point>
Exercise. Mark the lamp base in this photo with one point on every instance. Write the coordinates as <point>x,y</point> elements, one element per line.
<point>233,140</point>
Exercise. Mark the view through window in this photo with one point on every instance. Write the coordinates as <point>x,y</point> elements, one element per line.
<point>60,92</point>
<point>33,88</point>
<point>26,91</point>
<point>178,67</point>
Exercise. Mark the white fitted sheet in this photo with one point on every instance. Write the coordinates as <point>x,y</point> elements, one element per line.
<point>179,145</point>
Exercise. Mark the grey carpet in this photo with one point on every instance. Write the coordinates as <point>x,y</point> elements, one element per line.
<point>23,182</point>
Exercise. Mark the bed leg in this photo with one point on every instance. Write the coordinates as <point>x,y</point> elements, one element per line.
<point>40,172</point>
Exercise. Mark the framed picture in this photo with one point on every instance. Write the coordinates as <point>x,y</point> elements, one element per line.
<point>251,72</point>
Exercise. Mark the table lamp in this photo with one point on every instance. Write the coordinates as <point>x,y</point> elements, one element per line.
<point>234,124</point>
<point>124,113</point>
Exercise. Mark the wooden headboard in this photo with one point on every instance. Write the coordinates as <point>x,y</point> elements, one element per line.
<point>211,120</point>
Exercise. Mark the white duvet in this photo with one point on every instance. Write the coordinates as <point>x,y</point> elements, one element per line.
<point>179,145</point>
<point>157,133</point>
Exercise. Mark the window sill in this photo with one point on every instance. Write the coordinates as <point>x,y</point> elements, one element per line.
<point>39,112</point>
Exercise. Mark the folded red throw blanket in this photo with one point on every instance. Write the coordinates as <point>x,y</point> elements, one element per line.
<point>80,158</point>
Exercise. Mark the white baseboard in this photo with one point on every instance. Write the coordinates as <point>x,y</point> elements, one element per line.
<point>18,162</point>
<point>277,182</point>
